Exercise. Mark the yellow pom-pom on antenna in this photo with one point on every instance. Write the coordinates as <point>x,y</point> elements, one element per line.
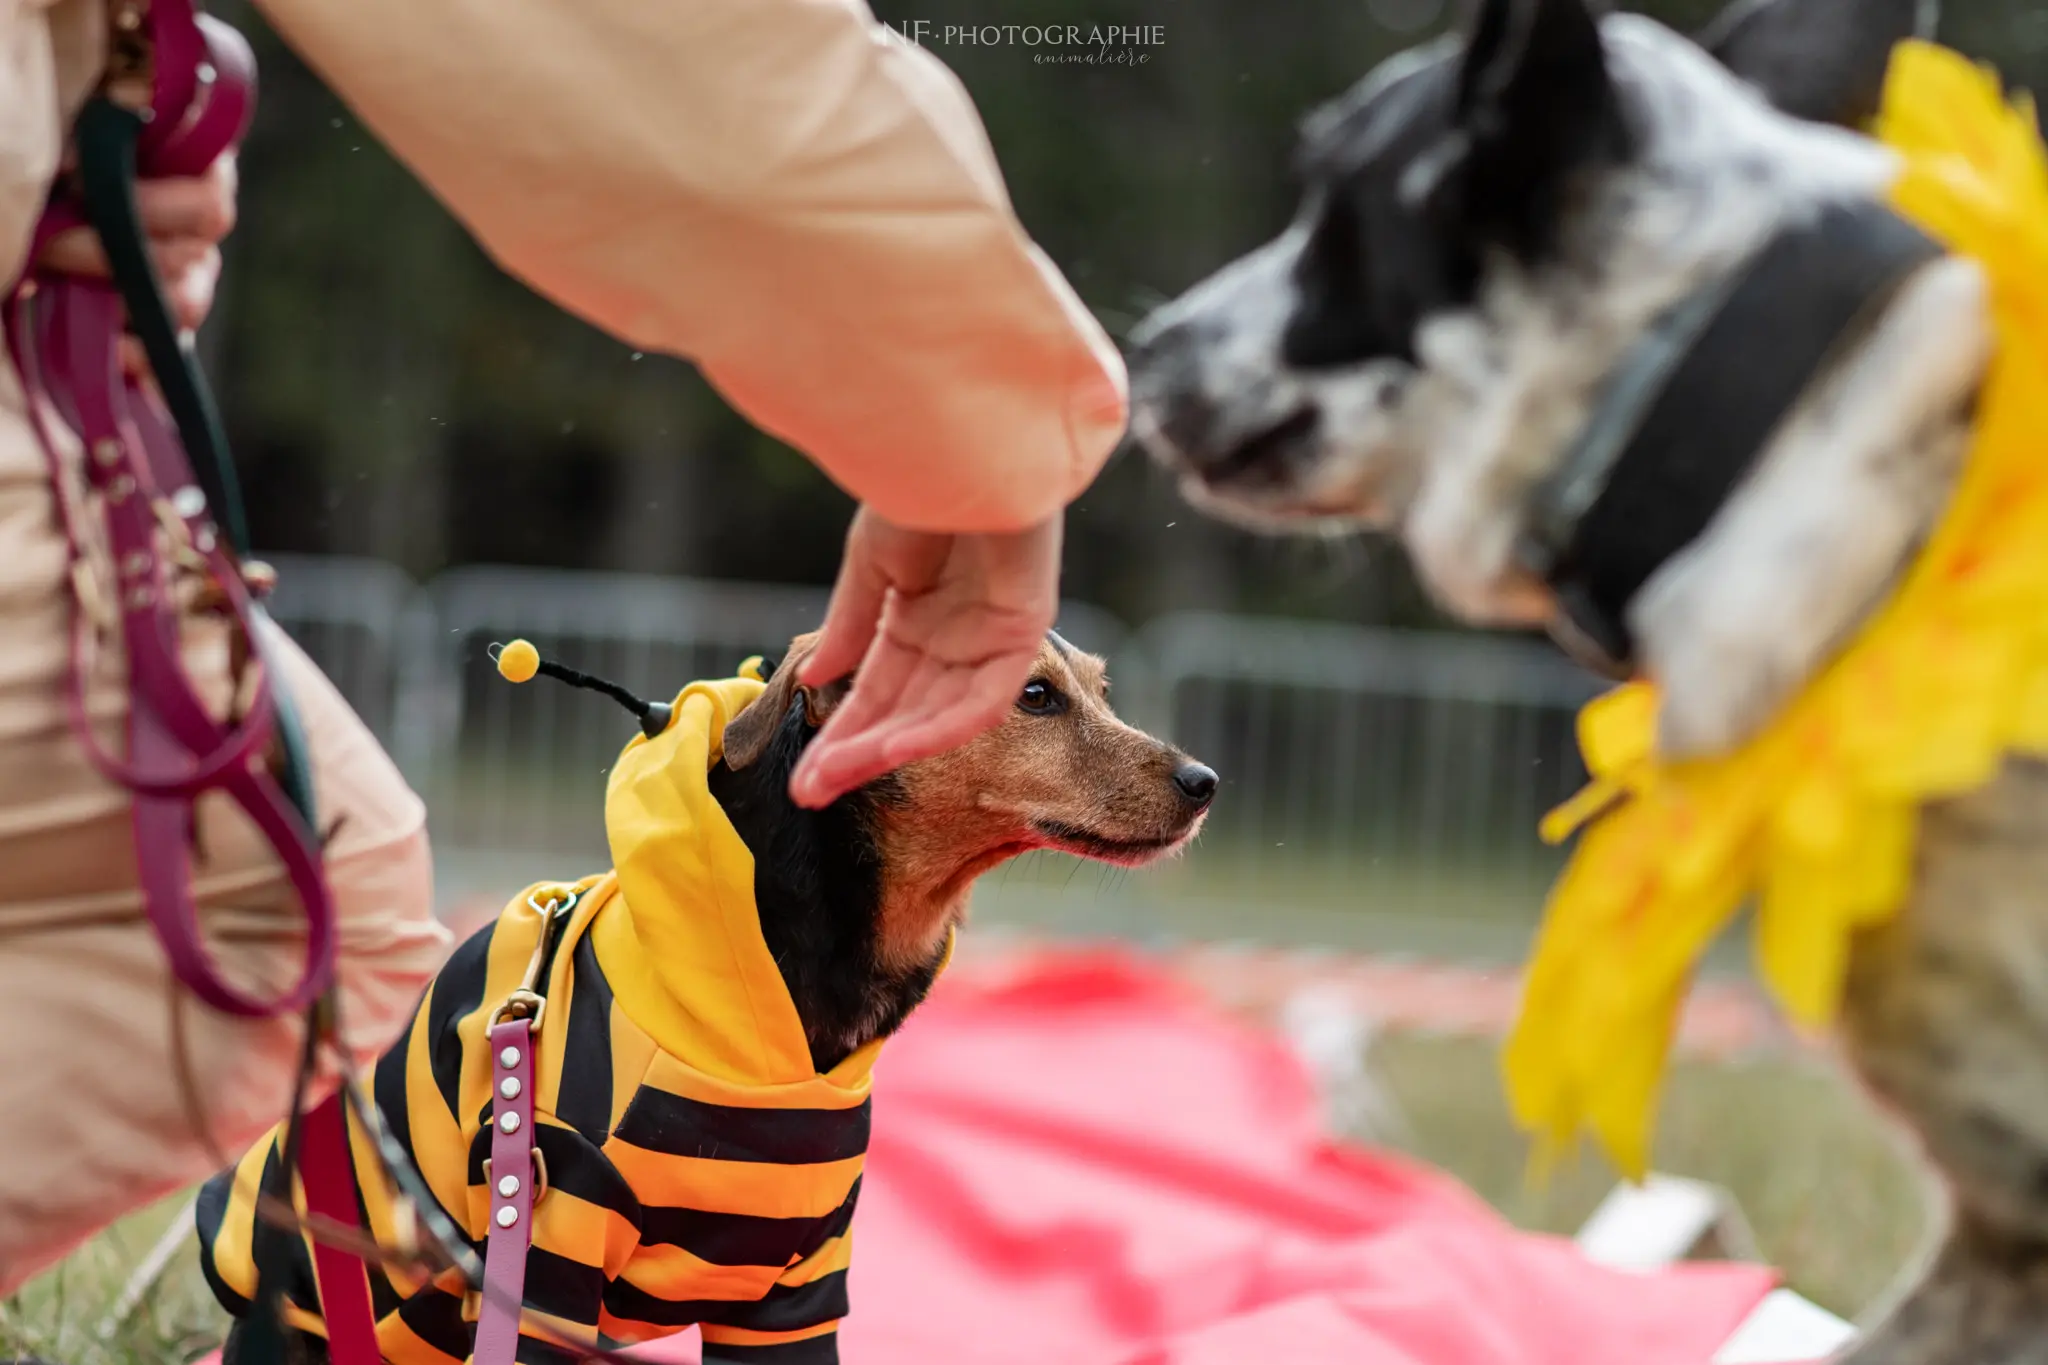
<point>518,662</point>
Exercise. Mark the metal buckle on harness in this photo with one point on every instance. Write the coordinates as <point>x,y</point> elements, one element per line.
<point>540,1175</point>
<point>522,1004</point>
<point>526,1002</point>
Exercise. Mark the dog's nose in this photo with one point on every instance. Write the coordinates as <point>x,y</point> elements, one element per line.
<point>1196,782</point>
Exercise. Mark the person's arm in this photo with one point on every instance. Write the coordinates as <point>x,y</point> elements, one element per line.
<point>781,191</point>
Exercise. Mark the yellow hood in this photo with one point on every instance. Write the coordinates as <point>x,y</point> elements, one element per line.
<point>686,885</point>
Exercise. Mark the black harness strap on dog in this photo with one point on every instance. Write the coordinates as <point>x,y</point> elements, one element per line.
<point>1687,413</point>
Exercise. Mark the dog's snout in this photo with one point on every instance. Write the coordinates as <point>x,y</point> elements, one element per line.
<point>1254,436</point>
<point>1196,782</point>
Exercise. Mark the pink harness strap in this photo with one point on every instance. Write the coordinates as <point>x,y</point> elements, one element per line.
<point>511,1175</point>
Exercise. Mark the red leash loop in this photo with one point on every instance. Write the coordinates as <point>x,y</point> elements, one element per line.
<point>63,333</point>
<point>186,84</point>
<point>178,93</point>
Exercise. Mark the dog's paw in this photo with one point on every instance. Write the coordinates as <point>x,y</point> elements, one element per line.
<point>1716,693</point>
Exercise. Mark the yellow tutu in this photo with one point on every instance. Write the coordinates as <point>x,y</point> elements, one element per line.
<point>1814,819</point>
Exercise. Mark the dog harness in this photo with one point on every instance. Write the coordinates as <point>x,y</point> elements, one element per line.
<point>679,1160</point>
<point>1692,406</point>
<point>1814,817</point>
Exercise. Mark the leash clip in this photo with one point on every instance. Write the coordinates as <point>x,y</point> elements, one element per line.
<point>522,1004</point>
<point>526,1002</point>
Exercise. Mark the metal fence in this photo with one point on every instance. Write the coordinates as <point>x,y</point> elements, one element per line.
<point>1380,788</point>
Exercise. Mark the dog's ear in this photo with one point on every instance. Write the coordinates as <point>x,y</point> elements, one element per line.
<point>747,734</point>
<point>1822,60</point>
<point>1535,107</point>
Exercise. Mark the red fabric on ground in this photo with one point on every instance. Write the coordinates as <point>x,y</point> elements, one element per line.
<point>1086,1165</point>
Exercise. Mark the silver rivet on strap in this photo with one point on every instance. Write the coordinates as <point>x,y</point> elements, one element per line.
<point>509,1186</point>
<point>509,1087</point>
<point>508,1123</point>
<point>509,1057</point>
<point>507,1216</point>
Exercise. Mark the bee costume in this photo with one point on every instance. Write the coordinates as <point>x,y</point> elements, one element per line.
<point>1814,818</point>
<point>690,1164</point>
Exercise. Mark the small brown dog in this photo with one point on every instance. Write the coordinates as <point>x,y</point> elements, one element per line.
<point>713,1008</point>
<point>1062,772</point>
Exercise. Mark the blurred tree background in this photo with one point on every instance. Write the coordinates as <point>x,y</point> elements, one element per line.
<point>392,394</point>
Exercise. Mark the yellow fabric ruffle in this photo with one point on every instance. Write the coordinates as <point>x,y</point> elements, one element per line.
<point>1813,820</point>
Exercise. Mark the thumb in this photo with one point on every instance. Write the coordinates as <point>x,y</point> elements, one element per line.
<point>856,608</point>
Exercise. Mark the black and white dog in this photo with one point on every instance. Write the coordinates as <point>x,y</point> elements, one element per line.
<point>1531,252</point>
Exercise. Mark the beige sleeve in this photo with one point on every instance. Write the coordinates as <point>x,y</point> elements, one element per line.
<point>782,191</point>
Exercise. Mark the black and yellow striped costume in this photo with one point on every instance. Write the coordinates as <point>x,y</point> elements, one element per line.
<point>699,1169</point>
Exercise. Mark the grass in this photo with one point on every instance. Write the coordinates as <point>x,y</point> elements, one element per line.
<point>60,1316</point>
<point>1830,1194</point>
<point>1828,1188</point>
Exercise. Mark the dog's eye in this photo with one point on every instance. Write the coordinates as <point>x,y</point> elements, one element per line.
<point>1039,699</point>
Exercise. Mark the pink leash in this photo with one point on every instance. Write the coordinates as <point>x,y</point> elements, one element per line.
<point>511,1177</point>
<point>179,92</point>
<point>63,333</point>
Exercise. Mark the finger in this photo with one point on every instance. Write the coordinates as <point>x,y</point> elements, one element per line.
<point>944,709</point>
<point>190,270</point>
<point>830,772</point>
<point>980,702</point>
<point>885,675</point>
<point>77,251</point>
<point>834,764</point>
<point>889,680</point>
<point>858,596</point>
<point>74,251</point>
<point>843,753</point>
<point>199,206</point>
<point>839,758</point>
<point>960,724</point>
<point>225,174</point>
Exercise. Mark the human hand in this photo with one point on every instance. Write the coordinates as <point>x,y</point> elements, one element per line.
<point>186,219</point>
<point>943,631</point>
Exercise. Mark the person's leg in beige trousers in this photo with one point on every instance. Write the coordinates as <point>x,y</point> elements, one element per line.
<point>98,1044</point>
<point>115,1086</point>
